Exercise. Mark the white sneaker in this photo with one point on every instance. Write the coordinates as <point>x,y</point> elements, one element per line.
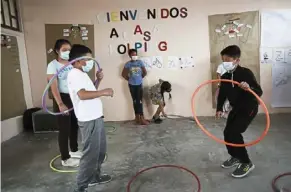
<point>77,154</point>
<point>71,162</point>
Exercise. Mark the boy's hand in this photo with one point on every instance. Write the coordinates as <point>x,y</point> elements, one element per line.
<point>218,114</point>
<point>244,85</point>
<point>99,75</point>
<point>108,92</point>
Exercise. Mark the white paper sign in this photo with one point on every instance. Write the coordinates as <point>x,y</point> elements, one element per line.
<point>173,62</point>
<point>275,28</point>
<point>66,30</point>
<point>66,34</point>
<point>281,89</point>
<point>266,55</point>
<point>49,51</point>
<point>157,62</point>
<point>288,56</point>
<point>279,55</point>
<point>84,38</point>
<point>147,62</point>
<point>187,62</point>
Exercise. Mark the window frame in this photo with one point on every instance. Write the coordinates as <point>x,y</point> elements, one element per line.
<point>11,17</point>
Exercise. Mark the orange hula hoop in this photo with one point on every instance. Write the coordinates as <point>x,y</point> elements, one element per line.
<point>220,140</point>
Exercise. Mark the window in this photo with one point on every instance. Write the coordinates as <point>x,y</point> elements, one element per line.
<point>10,15</point>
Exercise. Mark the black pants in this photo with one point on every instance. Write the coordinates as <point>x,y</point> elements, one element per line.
<point>136,92</point>
<point>237,123</point>
<point>68,128</point>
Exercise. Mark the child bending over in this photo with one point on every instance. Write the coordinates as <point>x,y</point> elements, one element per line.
<point>157,96</point>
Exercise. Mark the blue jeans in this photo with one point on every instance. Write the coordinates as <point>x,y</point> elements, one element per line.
<point>136,92</point>
<point>94,151</point>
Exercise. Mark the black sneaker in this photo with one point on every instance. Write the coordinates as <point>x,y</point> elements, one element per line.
<point>243,169</point>
<point>157,120</point>
<point>231,162</point>
<point>84,190</point>
<point>101,180</point>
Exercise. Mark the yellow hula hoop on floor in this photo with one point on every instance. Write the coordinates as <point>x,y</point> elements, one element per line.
<point>65,171</point>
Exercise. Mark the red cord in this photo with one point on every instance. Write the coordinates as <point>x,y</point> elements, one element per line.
<point>275,189</point>
<point>165,166</point>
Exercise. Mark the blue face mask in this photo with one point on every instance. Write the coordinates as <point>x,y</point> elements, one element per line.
<point>89,65</point>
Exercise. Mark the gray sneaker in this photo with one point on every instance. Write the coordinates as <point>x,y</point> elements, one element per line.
<point>101,180</point>
<point>231,162</point>
<point>243,169</point>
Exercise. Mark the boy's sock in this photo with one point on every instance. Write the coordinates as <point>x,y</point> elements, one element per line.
<point>243,169</point>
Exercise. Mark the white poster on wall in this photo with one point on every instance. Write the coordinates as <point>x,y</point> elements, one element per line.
<point>281,89</point>
<point>147,62</point>
<point>275,28</point>
<point>173,62</point>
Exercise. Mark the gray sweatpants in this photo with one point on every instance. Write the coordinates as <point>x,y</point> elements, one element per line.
<point>94,141</point>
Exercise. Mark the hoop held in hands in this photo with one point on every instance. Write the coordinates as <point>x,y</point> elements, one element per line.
<point>220,140</point>
<point>52,79</point>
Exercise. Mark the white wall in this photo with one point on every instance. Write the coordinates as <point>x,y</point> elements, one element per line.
<point>178,33</point>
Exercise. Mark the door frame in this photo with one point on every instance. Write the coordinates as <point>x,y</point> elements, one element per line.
<point>23,64</point>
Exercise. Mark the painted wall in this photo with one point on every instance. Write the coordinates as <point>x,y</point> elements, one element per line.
<point>186,37</point>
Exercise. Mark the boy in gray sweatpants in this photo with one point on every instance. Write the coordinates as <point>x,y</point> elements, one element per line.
<point>89,112</point>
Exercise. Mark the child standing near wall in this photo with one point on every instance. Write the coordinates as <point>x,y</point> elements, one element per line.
<point>134,71</point>
<point>89,111</point>
<point>244,109</point>
<point>157,96</point>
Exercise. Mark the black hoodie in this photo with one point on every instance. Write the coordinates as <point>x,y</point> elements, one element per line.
<point>238,98</point>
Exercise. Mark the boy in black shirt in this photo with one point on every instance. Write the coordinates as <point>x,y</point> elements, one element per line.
<point>244,108</point>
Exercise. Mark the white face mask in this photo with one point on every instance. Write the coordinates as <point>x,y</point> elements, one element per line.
<point>134,58</point>
<point>89,65</point>
<point>229,66</point>
<point>65,55</point>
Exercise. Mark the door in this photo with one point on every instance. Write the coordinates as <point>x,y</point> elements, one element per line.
<point>12,95</point>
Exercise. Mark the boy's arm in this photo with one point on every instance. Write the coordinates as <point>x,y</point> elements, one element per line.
<point>143,69</point>
<point>254,85</point>
<point>221,97</point>
<point>125,72</point>
<point>87,95</point>
<point>162,107</point>
<point>76,84</point>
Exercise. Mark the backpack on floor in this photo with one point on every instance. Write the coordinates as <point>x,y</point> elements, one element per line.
<point>27,119</point>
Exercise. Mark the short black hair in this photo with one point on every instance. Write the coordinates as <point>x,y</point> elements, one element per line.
<point>166,86</point>
<point>131,51</point>
<point>78,50</point>
<point>231,51</point>
<point>59,43</point>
